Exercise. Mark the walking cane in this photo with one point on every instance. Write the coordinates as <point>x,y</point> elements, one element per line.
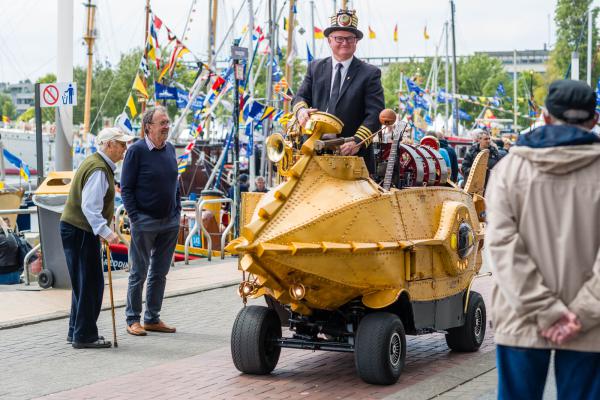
<point>110,287</point>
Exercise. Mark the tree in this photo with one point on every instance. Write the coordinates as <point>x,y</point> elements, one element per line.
<point>7,108</point>
<point>571,23</point>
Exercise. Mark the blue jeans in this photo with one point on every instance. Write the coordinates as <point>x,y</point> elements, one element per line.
<point>10,278</point>
<point>151,253</point>
<point>522,373</point>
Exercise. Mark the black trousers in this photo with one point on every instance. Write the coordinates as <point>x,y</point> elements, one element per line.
<point>82,251</point>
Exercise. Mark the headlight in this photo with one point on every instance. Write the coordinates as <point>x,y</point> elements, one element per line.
<point>297,291</point>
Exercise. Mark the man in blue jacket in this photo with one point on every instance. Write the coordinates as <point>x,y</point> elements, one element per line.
<point>150,193</point>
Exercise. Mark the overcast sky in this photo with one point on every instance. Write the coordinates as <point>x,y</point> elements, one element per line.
<point>28,28</point>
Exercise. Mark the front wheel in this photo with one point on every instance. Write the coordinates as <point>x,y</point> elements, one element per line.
<point>469,337</point>
<point>380,349</point>
<point>254,337</point>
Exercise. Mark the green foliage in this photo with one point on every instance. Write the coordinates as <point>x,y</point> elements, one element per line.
<point>390,79</point>
<point>478,75</point>
<point>7,108</point>
<point>571,23</point>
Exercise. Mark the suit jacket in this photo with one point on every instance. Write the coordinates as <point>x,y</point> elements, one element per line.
<point>359,103</point>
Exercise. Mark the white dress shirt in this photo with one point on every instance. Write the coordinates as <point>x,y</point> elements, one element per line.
<point>92,199</point>
<point>344,70</point>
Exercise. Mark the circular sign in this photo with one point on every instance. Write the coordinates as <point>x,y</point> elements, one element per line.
<point>50,95</point>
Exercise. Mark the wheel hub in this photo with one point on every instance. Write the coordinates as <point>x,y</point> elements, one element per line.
<point>395,349</point>
<point>478,322</point>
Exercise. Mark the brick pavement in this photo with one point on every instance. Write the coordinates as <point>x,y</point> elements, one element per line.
<point>315,375</point>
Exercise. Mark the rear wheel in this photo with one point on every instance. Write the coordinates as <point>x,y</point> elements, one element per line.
<point>380,349</point>
<point>253,340</point>
<point>469,337</point>
<point>45,279</point>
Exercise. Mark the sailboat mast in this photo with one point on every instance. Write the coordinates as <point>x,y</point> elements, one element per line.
<point>212,31</point>
<point>289,63</point>
<point>589,47</point>
<point>90,36</point>
<point>272,4</point>
<point>146,33</point>
<point>312,27</point>
<point>454,103</point>
<point>447,77</point>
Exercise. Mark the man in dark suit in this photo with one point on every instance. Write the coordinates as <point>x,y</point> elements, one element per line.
<point>344,86</point>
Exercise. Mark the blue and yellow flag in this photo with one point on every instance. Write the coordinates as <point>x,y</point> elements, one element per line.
<point>17,162</point>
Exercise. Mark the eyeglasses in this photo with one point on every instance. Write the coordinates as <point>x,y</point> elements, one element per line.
<point>161,123</point>
<point>347,39</point>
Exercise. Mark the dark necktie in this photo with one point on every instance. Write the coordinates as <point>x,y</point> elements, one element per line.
<point>335,90</point>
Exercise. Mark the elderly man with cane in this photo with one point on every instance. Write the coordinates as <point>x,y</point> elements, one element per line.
<point>85,220</point>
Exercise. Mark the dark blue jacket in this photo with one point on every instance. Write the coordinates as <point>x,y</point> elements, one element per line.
<point>556,135</point>
<point>149,181</point>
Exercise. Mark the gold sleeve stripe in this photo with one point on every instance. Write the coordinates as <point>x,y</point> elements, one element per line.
<point>364,128</point>
<point>298,106</point>
<point>364,133</point>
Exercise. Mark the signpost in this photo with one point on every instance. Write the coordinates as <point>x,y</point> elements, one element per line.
<point>62,94</point>
<point>237,54</point>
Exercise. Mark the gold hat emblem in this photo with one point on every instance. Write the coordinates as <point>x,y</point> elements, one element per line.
<point>344,20</point>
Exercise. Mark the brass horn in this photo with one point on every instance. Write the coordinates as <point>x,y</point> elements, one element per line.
<point>276,147</point>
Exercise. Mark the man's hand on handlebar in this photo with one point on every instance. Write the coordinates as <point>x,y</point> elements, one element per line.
<point>349,149</point>
<point>303,115</point>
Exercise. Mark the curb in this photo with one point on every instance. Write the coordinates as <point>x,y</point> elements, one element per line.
<point>118,304</point>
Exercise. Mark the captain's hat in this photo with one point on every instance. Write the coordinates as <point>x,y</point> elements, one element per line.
<point>344,20</point>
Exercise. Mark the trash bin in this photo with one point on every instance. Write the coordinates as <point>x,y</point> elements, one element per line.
<point>50,198</point>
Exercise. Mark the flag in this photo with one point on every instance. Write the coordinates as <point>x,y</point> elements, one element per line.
<point>164,92</point>
<point>318,33</point>
<point>372,33</point>
<point>131,106</point>
<point>144,68</point>
<point>157,22</point>
<point>182,98</point>
<point>413,87</point>
<point>425,34</point>
<point>309,56</point>
<point>17,162</point>
<point>268,112</point>
<point>182,164</point>
<point>153,48</point>
<point>500,90</point>
<point>139,86</point>
<point>396,33</point>
<point>285,24</point>
<point>258,34</point>
<point>124,123</point>
<point>178,51</point>
<point>463,115</point>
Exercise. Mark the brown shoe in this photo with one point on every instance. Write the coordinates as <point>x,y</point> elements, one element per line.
<point>160,327</point>
<point>136,329</point>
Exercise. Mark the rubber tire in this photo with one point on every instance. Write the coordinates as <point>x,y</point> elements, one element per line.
<point>45,279</point>
<point>464,338</point>
<point>372,349</point>
<point>252,348</point>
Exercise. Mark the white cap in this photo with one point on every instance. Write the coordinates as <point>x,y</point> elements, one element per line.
<point>108,134</point>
